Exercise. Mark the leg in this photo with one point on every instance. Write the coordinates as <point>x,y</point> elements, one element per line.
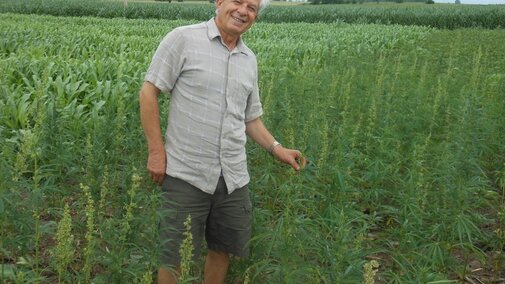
<point>228,230</point>
<point>216,267</point>
<point>180,199</point>
<point>167,277</point>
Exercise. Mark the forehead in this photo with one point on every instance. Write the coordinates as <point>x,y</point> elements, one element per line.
<point>250,2</point>
<point>254,2</point>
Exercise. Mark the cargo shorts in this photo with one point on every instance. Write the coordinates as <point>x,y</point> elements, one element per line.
<point>223,219</point>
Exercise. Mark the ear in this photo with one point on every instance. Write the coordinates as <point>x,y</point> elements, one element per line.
<point>218,3</point>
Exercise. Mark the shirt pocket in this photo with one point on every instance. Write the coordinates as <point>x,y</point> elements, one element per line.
<point>238,99</point>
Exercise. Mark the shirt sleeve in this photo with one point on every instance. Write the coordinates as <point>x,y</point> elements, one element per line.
<point>167,62</point>
<point>254,108</point>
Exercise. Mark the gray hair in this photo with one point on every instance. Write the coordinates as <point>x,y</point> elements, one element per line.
<point>263,5</point>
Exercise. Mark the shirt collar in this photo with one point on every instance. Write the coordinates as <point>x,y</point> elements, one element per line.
<point>213,32</point>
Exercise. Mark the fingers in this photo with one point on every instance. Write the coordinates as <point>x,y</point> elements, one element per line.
<point>156,165</point>
<point>158,178</point>
<point>299,161</point>
<point>303,162</point>
<point>294,158</point>
<point>157,175</point>
<point>295,165</point>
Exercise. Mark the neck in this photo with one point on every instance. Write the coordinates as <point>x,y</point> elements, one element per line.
<point>229,40</point>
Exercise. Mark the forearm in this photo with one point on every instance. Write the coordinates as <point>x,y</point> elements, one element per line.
<point>260,134</point>
<point>150,117</point>
<point>257,131</point>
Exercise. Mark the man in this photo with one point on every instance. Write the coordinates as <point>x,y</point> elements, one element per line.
<point>212,78</point>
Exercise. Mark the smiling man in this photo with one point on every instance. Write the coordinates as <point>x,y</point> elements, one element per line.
<point>213,81</point>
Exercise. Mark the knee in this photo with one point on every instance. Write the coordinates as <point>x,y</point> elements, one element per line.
<point>166,276</point>
<point>219,255</point>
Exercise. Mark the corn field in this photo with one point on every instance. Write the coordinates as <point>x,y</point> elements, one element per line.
<point>403,127</point>
<point>437,16</point>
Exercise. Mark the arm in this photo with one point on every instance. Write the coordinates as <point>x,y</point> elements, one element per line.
<point>258,132</point>
<point>150,119</point>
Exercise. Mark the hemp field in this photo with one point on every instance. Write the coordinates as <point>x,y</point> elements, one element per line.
<point>404,128</point>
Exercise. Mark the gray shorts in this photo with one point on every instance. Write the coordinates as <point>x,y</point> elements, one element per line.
<point>224,219</point>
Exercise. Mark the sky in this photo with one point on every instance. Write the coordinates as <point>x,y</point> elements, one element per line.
<point>473,1</point>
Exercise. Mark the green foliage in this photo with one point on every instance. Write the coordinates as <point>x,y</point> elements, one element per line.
<point>330,2</point>
<point>186,253</point>
<point>90,233</point>
<point>65,248</point>
<point>437,16</point>
<point>402,126</point>
<point>370,269</point>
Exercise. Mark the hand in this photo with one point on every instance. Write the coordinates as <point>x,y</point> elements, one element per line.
<point>156,165</point>
<point>290,157</point>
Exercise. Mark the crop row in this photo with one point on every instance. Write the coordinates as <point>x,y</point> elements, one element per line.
<point>438,16</point>
<point>403,130</point>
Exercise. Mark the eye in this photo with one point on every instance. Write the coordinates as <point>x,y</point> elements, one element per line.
<point>252,9</point>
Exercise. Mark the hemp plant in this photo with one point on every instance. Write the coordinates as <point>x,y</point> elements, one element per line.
<point>90,233</point>
<point>186,252</point>
<point>64,251</point>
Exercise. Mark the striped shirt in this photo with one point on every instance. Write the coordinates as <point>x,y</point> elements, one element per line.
<point>214,92</point>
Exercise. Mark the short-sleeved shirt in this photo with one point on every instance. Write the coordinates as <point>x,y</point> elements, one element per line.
<point>214,92</point>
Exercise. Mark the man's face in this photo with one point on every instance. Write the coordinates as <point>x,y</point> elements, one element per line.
<point>235,17</point>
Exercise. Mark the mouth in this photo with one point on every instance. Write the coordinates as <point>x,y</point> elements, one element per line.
<point>238,20</point>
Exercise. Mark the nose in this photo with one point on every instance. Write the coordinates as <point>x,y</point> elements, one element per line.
<point>242,9</point>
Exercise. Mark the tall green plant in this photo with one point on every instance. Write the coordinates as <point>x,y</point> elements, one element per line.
<point>64,251</point>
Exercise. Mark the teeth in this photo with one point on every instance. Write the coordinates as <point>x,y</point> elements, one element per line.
<point>239,20</point>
